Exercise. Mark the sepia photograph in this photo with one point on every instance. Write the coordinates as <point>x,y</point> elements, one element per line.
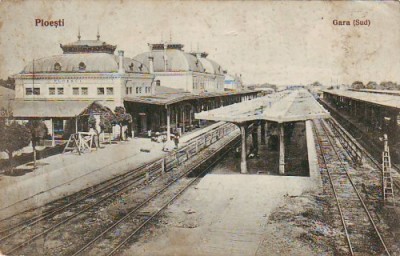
<point>199,128</point>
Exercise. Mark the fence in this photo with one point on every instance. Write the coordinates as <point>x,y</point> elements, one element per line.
<point>348,143</point>
<point>193,147</point>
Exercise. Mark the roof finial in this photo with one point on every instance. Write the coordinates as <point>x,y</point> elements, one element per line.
<point>98,33</point>
<point>79,33</point>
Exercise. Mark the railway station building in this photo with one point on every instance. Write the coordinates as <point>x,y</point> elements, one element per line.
<point>162,89</point>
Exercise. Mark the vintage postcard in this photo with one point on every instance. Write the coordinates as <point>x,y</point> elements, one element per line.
<point>169,127</point>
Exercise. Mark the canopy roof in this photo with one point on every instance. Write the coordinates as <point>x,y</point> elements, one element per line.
<point>285,106</point>
<point>165,96</point>
<point>55,109</point>
<point>387,99</point>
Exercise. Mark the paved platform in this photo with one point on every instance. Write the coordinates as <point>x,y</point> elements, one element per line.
<point>222,215</point>
<point>226,214</point>
<point>65,174</point>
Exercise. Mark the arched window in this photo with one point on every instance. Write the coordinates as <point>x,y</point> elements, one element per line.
<point>82,66</point>
<point>158,82</point>
<point>57,67</point>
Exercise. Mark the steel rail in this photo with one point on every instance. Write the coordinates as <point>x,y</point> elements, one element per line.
<point>138,178</point>
<point>132,174</point>
<point>334,123</point>
<point>355,189</point>
<point>334,191</point>
<point>125,241</point>
<point>90,206</point>
<point>145,202</point>
<point>31,221</point>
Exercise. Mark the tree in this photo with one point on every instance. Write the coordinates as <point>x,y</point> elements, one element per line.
<point>316,84</point>
<point>9,83</point>
<point>371,85</point>
<point>38,131</point>
<point>122,118</point>
<point>357,85</point>
<point>389,85</point>
<point>13,137</point>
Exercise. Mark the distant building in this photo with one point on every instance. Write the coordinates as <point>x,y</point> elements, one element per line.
<point>233,82</point>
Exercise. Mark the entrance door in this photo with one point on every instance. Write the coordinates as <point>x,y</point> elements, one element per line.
<point>143,122</point>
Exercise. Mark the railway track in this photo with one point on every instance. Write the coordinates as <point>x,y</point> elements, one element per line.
<point>135,220</point>
<point>106,189</point>
<point>361,232</point>
<point>370,148</point>
<point>29,230</point>
<point>370,155</point>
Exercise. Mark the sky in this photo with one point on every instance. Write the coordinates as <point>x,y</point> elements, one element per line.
<point>290,42</point>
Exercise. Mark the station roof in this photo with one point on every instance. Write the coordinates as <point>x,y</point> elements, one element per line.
<point>281,107</point>
<point>386,100</point>
<point>166,96</point>
<point>50,109</point>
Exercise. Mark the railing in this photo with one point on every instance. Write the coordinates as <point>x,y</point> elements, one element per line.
<point>349,143</point>
<point>193,147</point>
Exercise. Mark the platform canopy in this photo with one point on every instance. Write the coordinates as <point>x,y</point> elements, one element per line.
<point>281,107</point>
<point>383,98</point>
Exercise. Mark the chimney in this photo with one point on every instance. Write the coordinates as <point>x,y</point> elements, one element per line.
<point>121,69</point>
<point>165,57</point>
<point>151,60</point>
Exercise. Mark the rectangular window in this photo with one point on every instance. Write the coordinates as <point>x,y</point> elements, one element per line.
<point>140,89</point>
<point>137,90</point>
<point>126,90</point>
<point>100,91</point>
<point>60,91</point>
<point>28,91</point>
<point>84,91</point>
<point>110,91</point>
<point>75,91</point>
<point>52,91</point>
<point>36,91</point>
<point>130,90</point>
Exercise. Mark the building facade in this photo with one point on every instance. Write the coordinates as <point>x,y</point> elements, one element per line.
<point>58,88</point>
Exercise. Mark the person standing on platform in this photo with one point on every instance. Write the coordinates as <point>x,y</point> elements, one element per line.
<point>176,140</point>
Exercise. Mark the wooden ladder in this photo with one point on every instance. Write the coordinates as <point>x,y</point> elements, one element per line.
<point>387,181</point>
<point>72,144</point>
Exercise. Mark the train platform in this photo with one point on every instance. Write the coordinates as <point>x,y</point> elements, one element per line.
<point>222,215</point>
<point>64,174</point>
<point>227,213</point>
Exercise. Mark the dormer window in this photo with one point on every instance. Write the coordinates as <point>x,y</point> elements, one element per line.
<point>197,63</point>
<point>57,67</point>
<point>141,67</point>
<point>82,66</point>
<point>158,83</point>
<point>131,67</point>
